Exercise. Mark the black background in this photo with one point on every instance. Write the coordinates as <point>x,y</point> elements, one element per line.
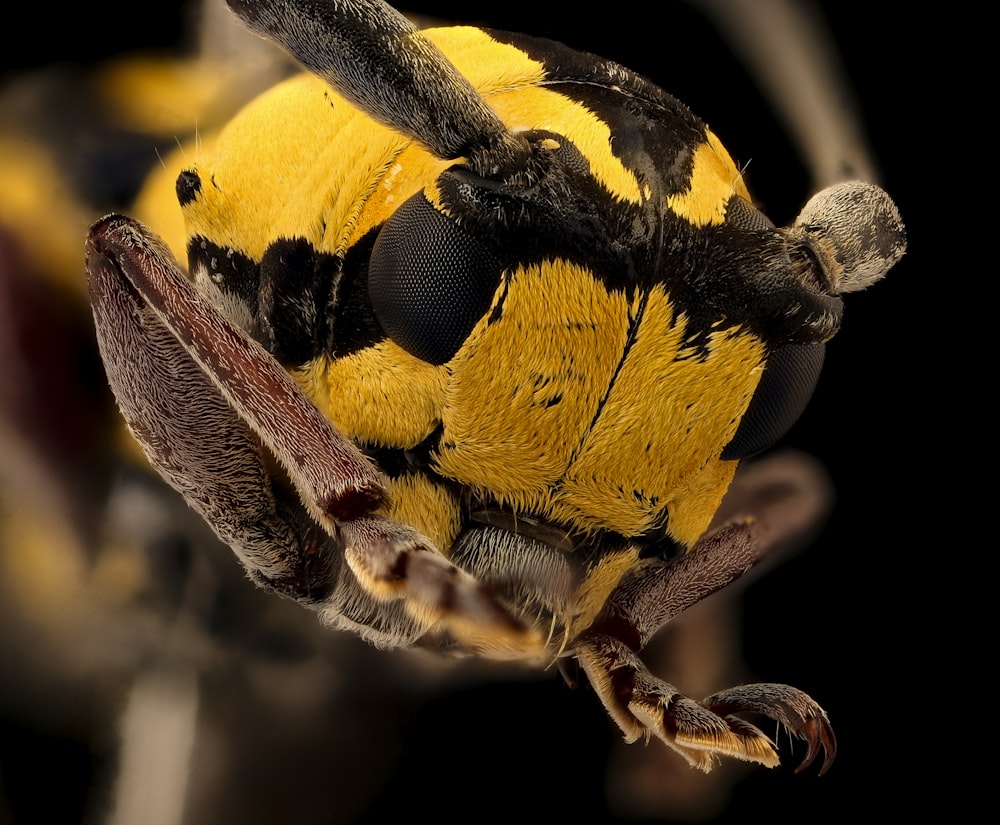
<point>849,620</point>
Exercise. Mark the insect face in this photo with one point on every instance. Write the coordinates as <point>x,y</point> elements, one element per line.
<point>480,330</point>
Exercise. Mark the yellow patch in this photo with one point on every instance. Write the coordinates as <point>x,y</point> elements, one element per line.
<point>425,506</point>
<point>404,175</point>
<point>665,416</point>
<point>513,430</point>
<point>251,184</point>
<point>490,66</point>
<point>697,499</point>
<point>714,180</point>
<point>541,108</point>
<point>573,429</point>
<point>260,186</point>
<point>592,595</point>
<point>380,395</point>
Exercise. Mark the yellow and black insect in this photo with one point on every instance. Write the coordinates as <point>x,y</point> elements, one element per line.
<point>477,331</point>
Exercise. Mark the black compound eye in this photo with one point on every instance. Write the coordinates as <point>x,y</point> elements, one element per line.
<point>744,215</point>
<point>785,388</point>
<point>429,280</point>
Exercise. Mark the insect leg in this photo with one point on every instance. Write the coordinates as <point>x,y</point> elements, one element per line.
<point>255,385</point>
<point>643,705</point>
<point>787,495</point>
<point>213,411</point>
<point>772,506</point>
<point>179,416</point>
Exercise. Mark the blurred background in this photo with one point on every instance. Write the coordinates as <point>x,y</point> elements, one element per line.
<point>131,646</point>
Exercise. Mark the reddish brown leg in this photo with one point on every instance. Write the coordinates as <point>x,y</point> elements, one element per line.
<point>788,495</point>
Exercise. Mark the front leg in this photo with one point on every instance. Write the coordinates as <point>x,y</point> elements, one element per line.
<point>787,495</point>
<point>643,705</point>
<point>215,414</point>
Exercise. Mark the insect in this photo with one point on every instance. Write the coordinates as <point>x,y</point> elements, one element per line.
<point>477,332</point>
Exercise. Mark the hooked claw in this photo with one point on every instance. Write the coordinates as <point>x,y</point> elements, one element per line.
<point>796,711</point>
<point>702,731</point>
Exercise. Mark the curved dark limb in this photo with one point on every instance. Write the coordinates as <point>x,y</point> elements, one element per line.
<point>701,731</point>
<point>796,711</point>
<point>212,411</point>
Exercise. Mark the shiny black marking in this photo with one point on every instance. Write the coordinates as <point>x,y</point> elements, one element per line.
<point>295,287</point>
<point>188,186</point>
<point>736,275</point>
<point>303,303</point>
<point>232,272</point>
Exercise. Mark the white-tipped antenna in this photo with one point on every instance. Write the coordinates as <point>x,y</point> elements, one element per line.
<point>855,232</point>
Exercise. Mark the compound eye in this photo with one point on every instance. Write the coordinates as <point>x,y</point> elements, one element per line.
<point>785,388</point>
<point>429,280</point>
<point>745,216</point>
